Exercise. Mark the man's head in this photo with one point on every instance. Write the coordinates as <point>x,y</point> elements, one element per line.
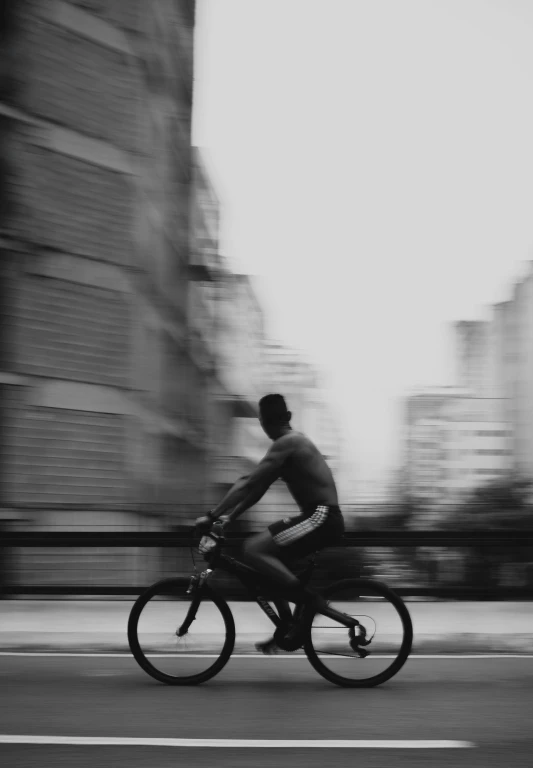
<point>273,415</point>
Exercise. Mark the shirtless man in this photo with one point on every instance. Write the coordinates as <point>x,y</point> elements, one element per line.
<point>296,460</point>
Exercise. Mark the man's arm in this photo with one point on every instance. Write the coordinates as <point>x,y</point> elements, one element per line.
<point>252,498</point>
<point>248,490</point>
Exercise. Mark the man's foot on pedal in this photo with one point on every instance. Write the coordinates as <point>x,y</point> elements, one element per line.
<point>268,647</point>
<point>294,637</point>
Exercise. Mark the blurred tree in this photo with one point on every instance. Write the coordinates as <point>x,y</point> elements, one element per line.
<point>500,505</point>
<point>505,504</point>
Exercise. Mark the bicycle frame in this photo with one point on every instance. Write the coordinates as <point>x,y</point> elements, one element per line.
<point>252,582</point>
<point>255,584</point>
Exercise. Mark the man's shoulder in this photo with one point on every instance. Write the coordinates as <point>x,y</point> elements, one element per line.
<point>292,439</point>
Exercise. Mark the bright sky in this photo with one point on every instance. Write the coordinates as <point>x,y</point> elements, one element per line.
<point>374,159</point>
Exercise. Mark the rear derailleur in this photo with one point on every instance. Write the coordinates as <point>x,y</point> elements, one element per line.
<point>358,638</point>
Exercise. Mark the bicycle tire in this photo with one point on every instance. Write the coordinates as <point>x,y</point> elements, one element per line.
<point>405,648</point>
<point>180,586</point>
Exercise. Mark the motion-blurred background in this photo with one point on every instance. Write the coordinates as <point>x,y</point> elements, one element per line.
<point>140,325</point>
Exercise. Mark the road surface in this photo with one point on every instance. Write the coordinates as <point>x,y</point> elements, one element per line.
<point>476,712</point>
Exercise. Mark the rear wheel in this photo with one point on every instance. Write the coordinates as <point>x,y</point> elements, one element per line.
<point>333,649</point>
<point>181,639</point>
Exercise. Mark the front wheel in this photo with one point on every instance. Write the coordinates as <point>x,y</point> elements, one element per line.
<point>181,639</point>
<point>340,655</point>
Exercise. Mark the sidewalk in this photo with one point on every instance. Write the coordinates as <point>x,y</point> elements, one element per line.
<point>99,626</point>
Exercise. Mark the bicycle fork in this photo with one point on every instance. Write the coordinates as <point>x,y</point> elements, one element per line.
<point>195,587</point>
<point>356,631</point>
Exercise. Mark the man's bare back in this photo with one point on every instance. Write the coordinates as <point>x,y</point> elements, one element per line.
<point>306,473</point>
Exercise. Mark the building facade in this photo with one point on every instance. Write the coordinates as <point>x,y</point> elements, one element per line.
<point>520,373</point>
<point>454,444</point>
<point>472,355</point>
<point>103,395</point>
<point>238,442</point>
<point>476,446</point>
<point>424,422</point>
<point>496,364</point>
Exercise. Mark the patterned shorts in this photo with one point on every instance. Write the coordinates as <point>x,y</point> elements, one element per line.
<point>314,529</point>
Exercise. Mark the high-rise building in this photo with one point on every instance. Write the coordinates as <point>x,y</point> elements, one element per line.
<point>424,438</point>
<point>472,343</point>
<point>520,374</point>
<point>476,446</point>
<point>102,396</point>
<point>454,444</point>
<point>237,440</point>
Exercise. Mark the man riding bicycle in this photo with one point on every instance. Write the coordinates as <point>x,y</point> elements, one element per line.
<point>297,461</point>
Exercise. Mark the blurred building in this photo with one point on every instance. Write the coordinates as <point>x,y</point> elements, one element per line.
<point>519,372</point>
<point>479,435</point>
<point>472,355</point>
<point>237,440</point>
<point>497,365</point>
<point>103,387</point>
<point>459,438</point>
<point>287,372</point>
<point>454,443</point>
<point>503,360</point>
<point>424,436</point>
<point>476,446</point>
<point>226,314</point>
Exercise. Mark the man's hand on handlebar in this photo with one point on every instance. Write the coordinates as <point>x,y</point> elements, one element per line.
<point>203,524</point>
<point>212,531</point>
<point>206,522</point>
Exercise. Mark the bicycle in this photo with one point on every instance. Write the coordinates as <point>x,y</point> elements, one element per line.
<point>160,626</point>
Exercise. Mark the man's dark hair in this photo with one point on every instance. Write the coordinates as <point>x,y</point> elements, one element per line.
<point>273,409</point>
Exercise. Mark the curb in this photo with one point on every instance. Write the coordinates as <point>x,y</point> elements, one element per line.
<point>434,645</point>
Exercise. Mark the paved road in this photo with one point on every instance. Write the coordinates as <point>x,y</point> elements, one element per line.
<point>484,701</point>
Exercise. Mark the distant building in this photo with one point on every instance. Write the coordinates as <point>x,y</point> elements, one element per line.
<point>496,363</point>
<point>454,444</point>
<point>520,373</point>
<point>424,422</point>
<point>472,345</point>
<point>476,447</point>
<point>238,442</point>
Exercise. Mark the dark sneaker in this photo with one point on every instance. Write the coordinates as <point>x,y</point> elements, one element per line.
<point>293,639</point>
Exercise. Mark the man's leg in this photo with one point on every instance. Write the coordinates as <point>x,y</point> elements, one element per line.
<point>263,554</point>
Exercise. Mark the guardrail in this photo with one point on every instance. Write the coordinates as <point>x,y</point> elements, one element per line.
<point>185,539</point>
<point>114,563</point>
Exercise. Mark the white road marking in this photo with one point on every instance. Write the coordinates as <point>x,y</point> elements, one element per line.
<point>103,672</point>
<point>106,741</point>
<point>414,656</point>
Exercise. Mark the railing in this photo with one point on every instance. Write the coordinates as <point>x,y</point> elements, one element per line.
<point>432,564</point>
<point>185,539</point>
